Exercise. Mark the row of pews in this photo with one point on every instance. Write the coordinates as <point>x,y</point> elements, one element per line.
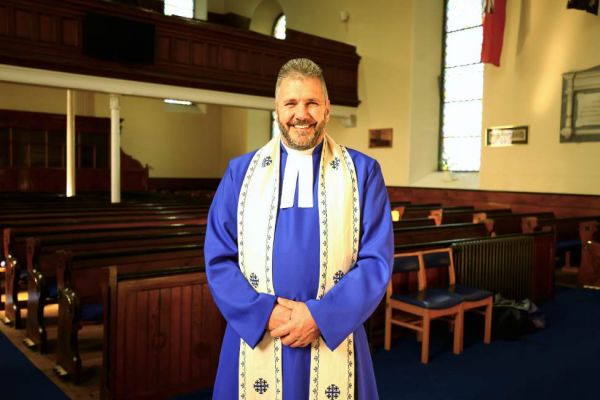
<point>136,268</point>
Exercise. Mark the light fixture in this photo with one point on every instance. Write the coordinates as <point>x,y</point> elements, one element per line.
<point>178,102</point>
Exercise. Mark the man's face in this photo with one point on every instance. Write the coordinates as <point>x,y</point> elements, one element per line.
<point>302,112</point>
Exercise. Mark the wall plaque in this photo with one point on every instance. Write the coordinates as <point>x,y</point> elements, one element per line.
<point>580,111</point>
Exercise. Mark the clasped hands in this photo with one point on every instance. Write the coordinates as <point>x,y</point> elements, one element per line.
<point>292,322</point>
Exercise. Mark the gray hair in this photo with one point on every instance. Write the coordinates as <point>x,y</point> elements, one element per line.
<point>301,68</point>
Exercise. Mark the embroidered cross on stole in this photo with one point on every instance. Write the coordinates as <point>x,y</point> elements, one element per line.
<point>331,372</point>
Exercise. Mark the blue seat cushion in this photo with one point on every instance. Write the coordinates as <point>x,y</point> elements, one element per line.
<point>469,293</point>
<point>437,260</point>
<point>92,312</point>
<point>406,264</point>
<point>435,299</point>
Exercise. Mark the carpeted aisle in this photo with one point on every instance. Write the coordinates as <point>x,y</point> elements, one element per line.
<point>20,379</point>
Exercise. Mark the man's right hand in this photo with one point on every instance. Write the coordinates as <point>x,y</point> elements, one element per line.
<point>279,315</point>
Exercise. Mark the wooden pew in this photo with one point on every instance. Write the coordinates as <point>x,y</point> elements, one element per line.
<point>42,262</point>
<point>36,214</point>
<point>416,210</point>
<point>567,236</point>
<point>438,213</point>
<point>512,223</point>
<point>18,232</point>
<point>81,279</point>
<point>162,334</point>
<point>413,222</point>
<point>589,272</point>
<point>425,234</point>
<point>474,216</point>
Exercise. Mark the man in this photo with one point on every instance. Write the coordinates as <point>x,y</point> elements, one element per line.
<point>298,253</point>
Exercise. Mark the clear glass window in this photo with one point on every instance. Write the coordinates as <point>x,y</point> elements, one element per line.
<point>280,27</point>
<point>460,148</point>
<point>182,8</point>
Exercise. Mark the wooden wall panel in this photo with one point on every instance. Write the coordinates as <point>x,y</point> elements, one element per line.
<point>181,51</point>
<point>49,29</point>
<point>197,54</point>
<point>4,20</point>
<point>163,48</point>
<point>187,53</point>
<point>71,32</point>
<point>24,24</point>
<point>32,178</point>
<point>561,204</point>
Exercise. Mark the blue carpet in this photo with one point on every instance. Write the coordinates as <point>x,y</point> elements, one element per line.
<point>20,379</point>
<point>558,362</point>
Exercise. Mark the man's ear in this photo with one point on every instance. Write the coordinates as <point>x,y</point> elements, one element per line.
<point>327,111</point>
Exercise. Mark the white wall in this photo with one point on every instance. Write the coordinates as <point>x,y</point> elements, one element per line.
<point>543,40</point>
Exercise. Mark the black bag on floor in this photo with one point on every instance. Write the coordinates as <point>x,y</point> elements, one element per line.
<point>512,319</point>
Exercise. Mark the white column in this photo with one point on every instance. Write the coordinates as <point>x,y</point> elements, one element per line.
<point>200,9</point>
<point>70,143</point>
<point>115,149</point>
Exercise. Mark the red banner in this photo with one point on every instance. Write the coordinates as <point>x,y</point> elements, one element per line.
<point>493,31</point>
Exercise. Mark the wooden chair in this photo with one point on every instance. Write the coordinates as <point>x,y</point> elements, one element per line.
<point>416,310</point>
<point>473,299</point>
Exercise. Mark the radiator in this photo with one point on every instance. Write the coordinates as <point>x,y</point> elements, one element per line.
<point>501,265</point>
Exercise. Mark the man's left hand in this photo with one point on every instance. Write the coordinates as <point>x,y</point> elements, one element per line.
<point>301,330</point>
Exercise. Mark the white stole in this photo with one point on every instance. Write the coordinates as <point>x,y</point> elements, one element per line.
<point>331,372</point>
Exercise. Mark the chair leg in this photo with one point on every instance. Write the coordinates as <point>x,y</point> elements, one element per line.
<point>425,340</point>
<point>487,337</point>
<point>458,332</point>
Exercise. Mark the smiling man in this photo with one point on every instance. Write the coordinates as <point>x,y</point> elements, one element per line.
<point>298,254</point>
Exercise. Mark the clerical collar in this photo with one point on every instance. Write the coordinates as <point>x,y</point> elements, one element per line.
<point>298,168</point>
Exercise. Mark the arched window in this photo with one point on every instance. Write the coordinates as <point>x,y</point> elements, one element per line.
<point>462,99</point>
<point>279,27</point>
<point>182,8</point>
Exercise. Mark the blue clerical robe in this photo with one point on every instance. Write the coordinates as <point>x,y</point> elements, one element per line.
<point>296,276</point>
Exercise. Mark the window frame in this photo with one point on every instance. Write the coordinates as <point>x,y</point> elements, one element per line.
<point>442,166</point>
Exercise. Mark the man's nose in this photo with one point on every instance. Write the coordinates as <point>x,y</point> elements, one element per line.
<point>302,112</point>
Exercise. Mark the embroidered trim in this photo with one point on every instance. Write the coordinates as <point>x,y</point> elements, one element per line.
<point>338,276</point>
<point>323,223</point>
<point>254,280</point>
<point>332,392</point>
<point>261,386</point>
<point>350,352</point>
<point>335,164</point>
<point>315,366</point>
<point>355,208</point>
<point>267,161</point>
<point>271,238</point>
<point>242,369</point>
<point>242,208</point>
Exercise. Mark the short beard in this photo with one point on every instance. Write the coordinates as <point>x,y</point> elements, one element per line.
<point>285,132</point>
